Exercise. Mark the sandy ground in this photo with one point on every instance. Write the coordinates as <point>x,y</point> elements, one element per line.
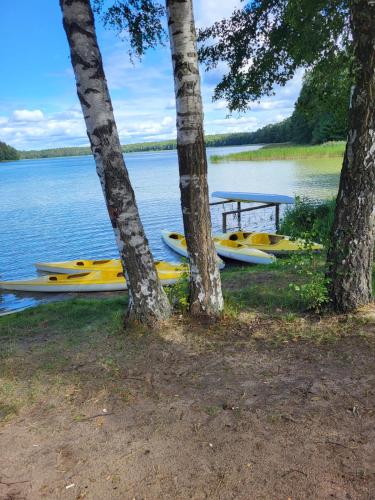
<point>186,414</point>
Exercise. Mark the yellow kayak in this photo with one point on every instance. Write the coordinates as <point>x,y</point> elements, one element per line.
<point>267,242</point>
<point>96,281</point>
<point>177,242</point>
<point>85,265</point>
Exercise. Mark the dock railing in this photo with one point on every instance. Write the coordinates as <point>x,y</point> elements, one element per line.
<point>241,210</point>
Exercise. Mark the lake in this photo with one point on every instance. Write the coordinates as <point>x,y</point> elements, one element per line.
<point>53,209</point>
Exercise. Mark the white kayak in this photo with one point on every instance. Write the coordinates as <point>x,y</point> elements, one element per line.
<point>243,253</point>
<point>177,242</point>
<point>224,248</point>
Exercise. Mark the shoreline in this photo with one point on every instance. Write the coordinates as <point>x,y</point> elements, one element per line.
<point>328,150</point>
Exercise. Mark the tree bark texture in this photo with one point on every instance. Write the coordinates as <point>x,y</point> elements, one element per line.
<point>350,256</point>
<point>147,300</point>
<point>205,285</point>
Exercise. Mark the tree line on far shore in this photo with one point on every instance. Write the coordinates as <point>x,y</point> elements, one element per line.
<point>7,153</point>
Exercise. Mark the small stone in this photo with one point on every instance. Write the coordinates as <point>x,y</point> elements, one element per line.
<point>316,388</point>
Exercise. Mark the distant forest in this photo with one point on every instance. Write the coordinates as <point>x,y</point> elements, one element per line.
<point>235,139</point>
<point>211,141</point>
<point>7,153</point>
<point>320,115</point>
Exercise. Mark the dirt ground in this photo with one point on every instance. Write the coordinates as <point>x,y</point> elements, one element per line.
<point>190,413</point>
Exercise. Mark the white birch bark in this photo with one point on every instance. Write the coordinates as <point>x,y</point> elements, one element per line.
<point>147,301</point>
<point>205,285</point>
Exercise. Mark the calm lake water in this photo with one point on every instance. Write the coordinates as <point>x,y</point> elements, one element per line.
<point>53,209</point>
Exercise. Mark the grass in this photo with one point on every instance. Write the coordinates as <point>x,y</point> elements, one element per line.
<point>41,348</point>
<point>286,152</point>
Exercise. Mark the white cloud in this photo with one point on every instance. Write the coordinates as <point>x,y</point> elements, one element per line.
<point>26,115</point>
<point>143,117</point>
<point>137,121</point>
<point>231,125</point>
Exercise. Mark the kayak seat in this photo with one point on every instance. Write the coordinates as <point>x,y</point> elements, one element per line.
<point>239,236</point>
<point>174,236</point>
<point>246,235</point>
<point>80,263</point>
<point>260,239</point>
<point>275,238</point>
<point>52,278</point>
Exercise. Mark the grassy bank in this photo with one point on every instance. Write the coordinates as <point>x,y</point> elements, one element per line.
<point>286,152</point>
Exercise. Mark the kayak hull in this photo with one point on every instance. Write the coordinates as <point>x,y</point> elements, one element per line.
<point>176,242</point>
<point>243,256</point>
<point>23,286</point>
<point>98,281</point>
<point>270,243</point>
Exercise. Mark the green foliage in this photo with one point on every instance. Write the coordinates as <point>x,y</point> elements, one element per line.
<point>313,291</point>
<point>178,294</point>
<point>286,152</point>
<point>138,21</point>
<point>321,111</point>
<point>7,153</point>
<point>309,220</point>
<point>277,37</point>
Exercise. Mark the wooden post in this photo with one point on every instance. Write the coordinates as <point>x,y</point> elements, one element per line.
<point>277,211</point>
<point>239,215</point>
<point>224,228</point>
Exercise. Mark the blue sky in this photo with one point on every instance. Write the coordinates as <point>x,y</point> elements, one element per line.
<point>38,103</point>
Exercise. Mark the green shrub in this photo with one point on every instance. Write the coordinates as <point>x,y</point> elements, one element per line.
<point>178,294</point>
<point>309,220</point>
<point>313,292</point>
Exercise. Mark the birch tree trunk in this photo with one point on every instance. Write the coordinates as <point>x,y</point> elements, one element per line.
<point>147,301</point>
<point>350,256</point>
<point>205,285</point>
